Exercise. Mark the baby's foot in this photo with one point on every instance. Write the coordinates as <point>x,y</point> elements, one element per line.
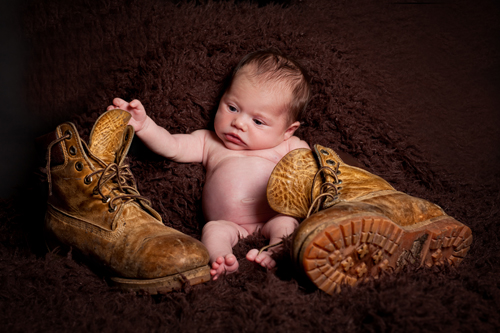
<point>264,259</point>
<point>221,265</point>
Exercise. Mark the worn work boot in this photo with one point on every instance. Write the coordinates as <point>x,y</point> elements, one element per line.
<point>95,208</point>
<point>356,224</point>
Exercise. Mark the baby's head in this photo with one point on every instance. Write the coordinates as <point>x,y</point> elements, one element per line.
<point>264,102</point>
<point>272,68</point>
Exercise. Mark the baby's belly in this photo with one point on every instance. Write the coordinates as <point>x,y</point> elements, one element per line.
<point>236,191</point>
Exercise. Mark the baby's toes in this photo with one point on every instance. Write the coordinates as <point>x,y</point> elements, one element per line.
<point>233,267</point>
<point>230,260</point>
<point>252,254</point>
<point>270,263</point>
<point>219,261</point>
<point>216,272</point>
<point>265,260</point>
<point>215,265</point>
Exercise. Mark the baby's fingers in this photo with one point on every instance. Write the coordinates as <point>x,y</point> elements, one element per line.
<point>137,106</point>
<point>120,103</point>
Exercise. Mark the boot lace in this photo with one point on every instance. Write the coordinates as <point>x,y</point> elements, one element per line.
<point>118,175</point>
<point>124,181</point>
<point>327,189</point>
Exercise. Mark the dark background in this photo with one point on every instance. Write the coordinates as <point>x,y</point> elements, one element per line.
<point>455,47</point>
<point>453,58</point>
<point>18,125</point>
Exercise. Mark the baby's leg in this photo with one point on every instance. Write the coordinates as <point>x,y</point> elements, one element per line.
<point>219,237</point>
<point>275,229</point>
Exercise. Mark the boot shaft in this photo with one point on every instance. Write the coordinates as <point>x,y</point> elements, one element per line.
<point>303,177</point>
<point>92,182</point>
<point>305,182</point>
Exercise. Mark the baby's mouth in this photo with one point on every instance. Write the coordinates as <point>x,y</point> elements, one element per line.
<point>233,138</point>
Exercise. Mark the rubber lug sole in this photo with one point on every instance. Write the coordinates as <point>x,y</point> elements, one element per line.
<point>354,249</point>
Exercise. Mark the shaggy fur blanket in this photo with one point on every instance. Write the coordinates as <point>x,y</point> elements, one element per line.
<point>410,90</point>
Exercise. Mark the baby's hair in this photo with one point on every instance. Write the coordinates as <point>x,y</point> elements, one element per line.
<point>271,64</point>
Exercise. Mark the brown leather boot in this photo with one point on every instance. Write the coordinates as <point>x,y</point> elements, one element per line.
<point>356,224</point>
<point>94,207</point>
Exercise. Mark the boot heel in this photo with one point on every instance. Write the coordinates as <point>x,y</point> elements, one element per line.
<point>449,241</point>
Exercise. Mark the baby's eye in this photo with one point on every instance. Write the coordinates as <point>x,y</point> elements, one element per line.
<point>232,108</point>
<point>258,122</point>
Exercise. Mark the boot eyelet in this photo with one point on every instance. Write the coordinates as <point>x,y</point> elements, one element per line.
<point>68,132</point>
<point>339,182</point>
<point>112,210</point>
<point>78,166</point>
<point>339,188</point>
<point>72,150</point>
<point>106,199</point>
<point>87,180</point>
<point>324,152</point>
<point>331,162</point>
<point>338,172</point>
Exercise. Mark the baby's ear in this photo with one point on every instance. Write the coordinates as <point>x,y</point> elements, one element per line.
<point>291,129</point>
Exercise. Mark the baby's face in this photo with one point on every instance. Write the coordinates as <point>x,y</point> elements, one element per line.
<point>252,115</point>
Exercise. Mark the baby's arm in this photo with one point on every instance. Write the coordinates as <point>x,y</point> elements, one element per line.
<point>177,147</point>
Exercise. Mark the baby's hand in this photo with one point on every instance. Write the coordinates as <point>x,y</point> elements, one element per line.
<point>136,109</point>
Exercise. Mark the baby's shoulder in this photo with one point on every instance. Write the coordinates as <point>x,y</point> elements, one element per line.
<point>203,133</point>
<point>212,144</point>
<point>295,143</point>
<point>209,137</point>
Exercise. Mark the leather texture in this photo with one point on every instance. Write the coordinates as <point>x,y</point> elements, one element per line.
<point>95,206</point>
<point>290,184</point>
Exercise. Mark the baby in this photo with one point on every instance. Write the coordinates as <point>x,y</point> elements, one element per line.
<point>254,126</point>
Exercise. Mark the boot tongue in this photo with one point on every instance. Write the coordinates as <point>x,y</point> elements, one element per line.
<point>107,136</point>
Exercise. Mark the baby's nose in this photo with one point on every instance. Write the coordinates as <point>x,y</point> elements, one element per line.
<point>239,123</point>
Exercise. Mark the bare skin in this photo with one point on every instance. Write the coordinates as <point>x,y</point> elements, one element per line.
<point>235,190</point>
<point>252,134</point>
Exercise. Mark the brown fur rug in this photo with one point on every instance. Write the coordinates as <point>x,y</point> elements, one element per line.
<point>408,89</point>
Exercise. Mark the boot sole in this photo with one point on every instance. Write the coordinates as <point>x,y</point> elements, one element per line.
<point>356,248</point>
<point>151,286</point>
<point>164,284</point>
